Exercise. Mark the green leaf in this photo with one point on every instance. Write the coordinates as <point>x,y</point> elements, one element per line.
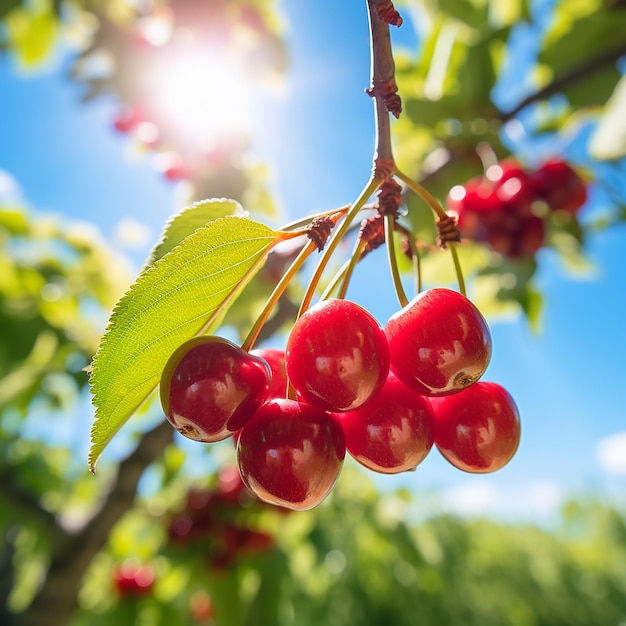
<point>608,142</point>
<point>32,33</point>
<point>190,219</point>
<point>184,294</point>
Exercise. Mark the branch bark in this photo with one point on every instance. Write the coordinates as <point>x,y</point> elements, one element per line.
<point>383,90</point>
<point>55,602</point>
<point>578,73</point>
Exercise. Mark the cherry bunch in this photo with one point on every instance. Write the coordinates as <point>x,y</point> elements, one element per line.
<point>507,207</point>
<point>343,382</point>
<point>217,522</point>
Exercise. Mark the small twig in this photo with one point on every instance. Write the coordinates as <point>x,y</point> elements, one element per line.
<point>582,71</point>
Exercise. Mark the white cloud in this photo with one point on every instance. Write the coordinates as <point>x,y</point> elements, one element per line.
<point>537,500</point>
<point>9,187</point>
<point>611,454</point>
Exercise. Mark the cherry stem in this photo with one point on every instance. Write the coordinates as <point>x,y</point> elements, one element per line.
<point>336,279</point>
<point>457,267</point>
<point>302,223</point>
<point>278,291</point>
<point>415,256</point>
<point>354,259</point>
<point>334,240</point>
<point>393,261</point>
<point>433,203</point>
<point>383,90</point>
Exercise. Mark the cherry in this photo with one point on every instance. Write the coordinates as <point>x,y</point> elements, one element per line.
<point>201,607</point>
<point>290,453</point>
<point>133,580</point>
<point>393,433</point>
<point>229,484</point>
<point>337,356</point>
<point>560,186</point>
<point>439,343</point>
<point>210,387</point>
<point>521,239</point>
<point>477,430</point>
<point>127,119</point>
<point>276,360</point>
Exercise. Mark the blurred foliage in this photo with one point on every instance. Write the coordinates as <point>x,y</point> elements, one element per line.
<point>51,276</point>
<point>369,558</point>
<point>490,80</point>
<point>515,76</point>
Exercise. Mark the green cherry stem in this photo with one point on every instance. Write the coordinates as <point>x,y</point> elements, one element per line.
<point>301,224</point>
<point>433,203</point>
<point>422,192</point>
<point>333,242</point>
<point>354,259</point>
<point>336,279</point>
<point>457,267</point>
<point>393,261</point>
<point>278,291</point>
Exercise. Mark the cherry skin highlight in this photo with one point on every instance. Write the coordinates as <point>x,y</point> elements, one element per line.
<point>393,433</point>
<point>439,343</point>
<point>337,356</point>
<point>477,430</point>
<point>210,387</point>
<point>290,454</point>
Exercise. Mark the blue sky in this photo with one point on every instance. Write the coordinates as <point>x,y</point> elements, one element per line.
<point>567,379</point>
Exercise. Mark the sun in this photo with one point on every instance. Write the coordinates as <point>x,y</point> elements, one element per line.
<point>206,93</point>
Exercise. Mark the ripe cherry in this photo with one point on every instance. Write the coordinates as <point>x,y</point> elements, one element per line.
<point>133,580</point>
<point>393,433</point>
<point>290,453</point>
<point>210,387</point>
<point>477,430</point>
<point>560,186</point>
<point>337,356</point>
<point>276,360</point>
<point>439,343</point>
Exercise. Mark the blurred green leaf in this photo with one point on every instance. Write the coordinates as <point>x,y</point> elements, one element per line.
<point>32,31</point>
<point>608,141</point>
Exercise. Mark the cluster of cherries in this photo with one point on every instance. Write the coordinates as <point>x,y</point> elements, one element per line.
<point>211,521</point>
<point>343,382</point>
<point>507,206</point>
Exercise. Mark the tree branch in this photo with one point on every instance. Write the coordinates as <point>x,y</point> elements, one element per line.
<point>383,88</point>
<point>27,502</point>
<point>55,601</point>
<point>578,73</point>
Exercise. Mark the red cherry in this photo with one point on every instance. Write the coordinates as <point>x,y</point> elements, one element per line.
<point>276,360</point>
<point>290,454</point>
<point>133,580</point>
<point>201,607</point>
<point>439,343</point>
<point>210,387</point>
<point>477,430</point>
<point>522,241</point>
<point>127,118</point>
<point>393,433</point>
<point>229,483</point>
<point>560,186</point>
<point>337,356</point>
